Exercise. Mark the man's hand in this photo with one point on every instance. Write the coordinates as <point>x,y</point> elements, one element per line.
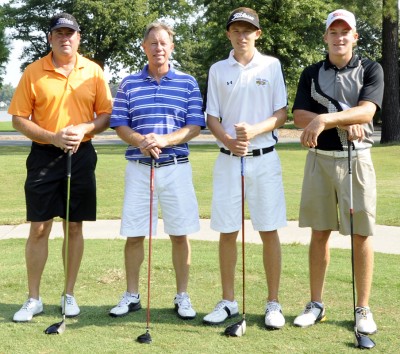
<point>69,138</point>
<point>244,132</point>
<point>238,148</point>
<point>354,132</point>
<point>152,144</point>
<point>311,132</point>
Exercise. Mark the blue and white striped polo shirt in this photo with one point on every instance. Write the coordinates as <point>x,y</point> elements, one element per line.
<point>148,107</point>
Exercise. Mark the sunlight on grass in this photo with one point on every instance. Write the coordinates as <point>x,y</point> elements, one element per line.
<point>101,282</point>
<point>111,170</point>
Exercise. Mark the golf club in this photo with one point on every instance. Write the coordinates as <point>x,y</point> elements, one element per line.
<point>59,327</point>
<point>361,340</point>
<point>239,329</point>
<point>145,338</point>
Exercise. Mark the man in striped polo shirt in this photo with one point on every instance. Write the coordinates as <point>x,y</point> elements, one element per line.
<point>157,111</point>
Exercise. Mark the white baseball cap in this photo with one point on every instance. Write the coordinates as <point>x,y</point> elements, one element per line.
<point>341,14</point>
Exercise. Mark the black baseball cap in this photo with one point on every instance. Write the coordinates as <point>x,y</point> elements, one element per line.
<point>243,14</point>
<point>64,20</point>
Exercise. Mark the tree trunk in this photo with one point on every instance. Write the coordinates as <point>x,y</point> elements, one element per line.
<point>390,57</point>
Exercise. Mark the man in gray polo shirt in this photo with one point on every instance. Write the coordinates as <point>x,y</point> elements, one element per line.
<point>335,102</point>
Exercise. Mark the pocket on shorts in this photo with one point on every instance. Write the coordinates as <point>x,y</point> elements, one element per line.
<point>365,170</point>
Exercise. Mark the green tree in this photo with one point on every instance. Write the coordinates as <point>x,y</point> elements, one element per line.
<point>109,29</point>
<point>6,93</point>
<point>292,32</point>
<point>390,51</point>
<point>4,47</point>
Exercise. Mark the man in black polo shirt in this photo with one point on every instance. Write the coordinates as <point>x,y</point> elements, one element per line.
<point>335,102</point>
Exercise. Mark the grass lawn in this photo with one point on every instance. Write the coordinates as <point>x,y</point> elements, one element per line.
<point>6,127</point>
<point>101,282</point>
<point>111,168</point>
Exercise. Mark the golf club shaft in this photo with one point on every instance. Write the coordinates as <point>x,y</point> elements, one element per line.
<point>66,239</point>
<point>150,240</point>
<point>349,150</point>
<point>243,236</point>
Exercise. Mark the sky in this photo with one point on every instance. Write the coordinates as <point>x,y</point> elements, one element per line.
<point>13,73</point>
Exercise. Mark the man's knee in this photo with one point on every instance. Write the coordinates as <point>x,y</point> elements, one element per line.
<point>40,229</point>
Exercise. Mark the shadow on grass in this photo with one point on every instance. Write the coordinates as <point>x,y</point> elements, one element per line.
<point>98,316</point>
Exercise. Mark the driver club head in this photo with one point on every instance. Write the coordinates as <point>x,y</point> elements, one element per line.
<point>56,328</point>
<point>144,338</point>
<point>237,329</point>
<point>362,341</point>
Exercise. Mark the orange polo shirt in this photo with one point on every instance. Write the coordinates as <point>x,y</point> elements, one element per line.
<point>54,101</point>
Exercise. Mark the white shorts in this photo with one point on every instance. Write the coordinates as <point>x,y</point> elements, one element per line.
<point>263,193</point>
<point>173,189</point>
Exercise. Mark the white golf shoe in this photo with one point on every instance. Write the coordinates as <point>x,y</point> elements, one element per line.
<point>223,310</point>
<point>312,313</point>
<point>128,303</point>
<point>71,309</point>
<point>364,321</point>
<point>183,306</point>
<point>30,308</point>
<point>273,315</point>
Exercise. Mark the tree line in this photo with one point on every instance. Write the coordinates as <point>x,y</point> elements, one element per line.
<point>292,31</point>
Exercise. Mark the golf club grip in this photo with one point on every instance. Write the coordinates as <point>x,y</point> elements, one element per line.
<point>69,163</point>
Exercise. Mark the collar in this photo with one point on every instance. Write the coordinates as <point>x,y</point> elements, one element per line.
<point>257,57</point>
<point>48,63</point>
<point>353,63</point>
<point>171,74</point>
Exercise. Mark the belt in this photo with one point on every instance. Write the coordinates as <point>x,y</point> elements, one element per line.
<point>334,153</point>
<point>174,161</point>
<point>53,147</point>
<point>254,153</point>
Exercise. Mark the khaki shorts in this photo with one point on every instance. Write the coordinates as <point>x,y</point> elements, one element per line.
<point>325,199</point>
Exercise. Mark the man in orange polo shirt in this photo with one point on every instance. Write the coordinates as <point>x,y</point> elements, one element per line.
<point>61,101</point>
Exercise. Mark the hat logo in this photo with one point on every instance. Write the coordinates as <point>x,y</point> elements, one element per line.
<point>336,14</point>
<point>64,21</point>
<point>242,15</point>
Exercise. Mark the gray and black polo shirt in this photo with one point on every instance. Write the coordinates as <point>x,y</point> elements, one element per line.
<point>323,88</point>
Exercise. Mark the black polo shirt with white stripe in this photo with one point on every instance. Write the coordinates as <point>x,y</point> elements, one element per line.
<point>360,80</point>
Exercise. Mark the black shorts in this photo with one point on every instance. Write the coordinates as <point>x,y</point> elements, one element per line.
<point>46,183</point>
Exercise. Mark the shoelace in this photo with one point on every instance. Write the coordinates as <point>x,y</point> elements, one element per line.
<point>362,312</point>
<point>309,307</point>
<point>28,304</point>
<point>184,302</point>
<point>273,306</point>
<point>220,306</point>
<point>70,300</point>
<point>124,301</point>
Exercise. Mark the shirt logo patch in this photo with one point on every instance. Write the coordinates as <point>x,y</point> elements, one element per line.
<point>261,82</point>
<point>229,83</point>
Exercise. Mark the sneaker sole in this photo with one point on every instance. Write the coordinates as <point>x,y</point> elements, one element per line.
<point>322,319</point>
<point>134,308</point>
<point>217,323</point>
<point>272,328</point>
<point>185,317</point>
<point>367,333</point>
<point>37,314</point>
<point>72,316</point>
